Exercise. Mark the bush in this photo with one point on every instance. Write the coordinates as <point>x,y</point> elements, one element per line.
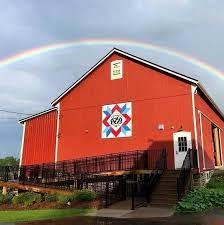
<point>1,199</point>
<point>216,182</point>
<point>50,197</point>
<point>4,199</point>
<point>200,200</point>
<point>8,198</point>
<point>85,195</point>
<point>64,199</point>
<point>27,198</point>
<point>16,200</point>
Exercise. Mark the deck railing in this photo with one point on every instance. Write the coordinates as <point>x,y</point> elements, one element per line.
<point>70,169</point>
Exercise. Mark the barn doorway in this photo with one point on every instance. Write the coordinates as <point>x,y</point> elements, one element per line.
<point>216,145</point>
<point>182,142</point>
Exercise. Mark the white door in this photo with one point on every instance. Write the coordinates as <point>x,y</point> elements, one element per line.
<point>182,142</point>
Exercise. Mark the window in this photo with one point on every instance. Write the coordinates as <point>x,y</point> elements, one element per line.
<point>182,144</point>
<point>116,70</point>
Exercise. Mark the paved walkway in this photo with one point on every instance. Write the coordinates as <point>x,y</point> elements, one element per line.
<point>122,210</point>
<point>143,212</point>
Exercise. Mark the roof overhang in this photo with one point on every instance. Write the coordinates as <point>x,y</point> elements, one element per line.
<point>36,115</point>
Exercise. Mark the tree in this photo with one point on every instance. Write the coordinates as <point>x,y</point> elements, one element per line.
<point>9,161</point>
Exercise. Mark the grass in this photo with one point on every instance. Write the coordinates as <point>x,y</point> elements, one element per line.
<point>31,215</point>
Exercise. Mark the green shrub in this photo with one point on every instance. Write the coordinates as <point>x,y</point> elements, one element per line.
<point>200,200</point>
<point>8,198</point>
<point>1,199</point>
<point>50,197</point>
<point>80,195</point>
<point>27,198</point>
<point>4,199</point>
<point>16,200</point>
<point>64,199</point>
<point>85,195</point>
<point>216,182</point>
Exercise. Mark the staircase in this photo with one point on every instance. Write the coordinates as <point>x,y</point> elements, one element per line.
<point>165,192</point>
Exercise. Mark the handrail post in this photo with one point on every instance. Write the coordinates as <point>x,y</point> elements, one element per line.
<point>107,195</point>
<point>146,160</point>
<point>137,160</point>
<point>132,197</point>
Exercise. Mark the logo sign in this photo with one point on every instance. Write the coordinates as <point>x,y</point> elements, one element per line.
<point>116,69</point>
<point>117,120</point>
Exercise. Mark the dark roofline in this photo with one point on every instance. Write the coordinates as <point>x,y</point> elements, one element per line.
<point>37,114</point>
<point>115,50</point>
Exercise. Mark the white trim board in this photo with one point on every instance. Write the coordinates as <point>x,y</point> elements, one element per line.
<point>193,91</point>
<point>57,133</point>
<point>36,115</point>
<point>202,139</point>
<point>210,120</point>
<point>22,144</point>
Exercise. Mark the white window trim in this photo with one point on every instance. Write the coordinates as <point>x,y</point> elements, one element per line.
<point>112,77</point>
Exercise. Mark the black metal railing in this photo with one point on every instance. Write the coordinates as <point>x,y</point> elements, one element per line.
<point>71,169</point>
<point>189,163</point>
<point>9,173</point>
<point>143,185</point>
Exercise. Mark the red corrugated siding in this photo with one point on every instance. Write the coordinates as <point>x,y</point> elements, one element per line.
<point>39,141</point>
<point>156,99</point>
<point>209,116</point>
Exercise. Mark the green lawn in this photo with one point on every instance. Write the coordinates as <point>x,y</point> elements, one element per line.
<point>29,215</point>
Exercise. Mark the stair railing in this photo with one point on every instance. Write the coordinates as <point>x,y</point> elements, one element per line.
<point>149,182</point>
<point>185,172</point>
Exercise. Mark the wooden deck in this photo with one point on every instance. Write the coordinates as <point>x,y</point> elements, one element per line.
<point>33,188</point>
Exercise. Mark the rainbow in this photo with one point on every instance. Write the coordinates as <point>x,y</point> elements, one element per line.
<point>109,42</point>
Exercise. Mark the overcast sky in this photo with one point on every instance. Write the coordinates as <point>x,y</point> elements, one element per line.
<point>192,27</point>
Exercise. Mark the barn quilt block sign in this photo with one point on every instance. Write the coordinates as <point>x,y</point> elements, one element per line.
<point>117,120</point>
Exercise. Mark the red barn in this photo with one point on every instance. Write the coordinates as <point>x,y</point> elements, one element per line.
<point>125,103</point>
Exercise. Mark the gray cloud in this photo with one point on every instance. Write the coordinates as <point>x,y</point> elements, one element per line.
<point>188,26</point>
